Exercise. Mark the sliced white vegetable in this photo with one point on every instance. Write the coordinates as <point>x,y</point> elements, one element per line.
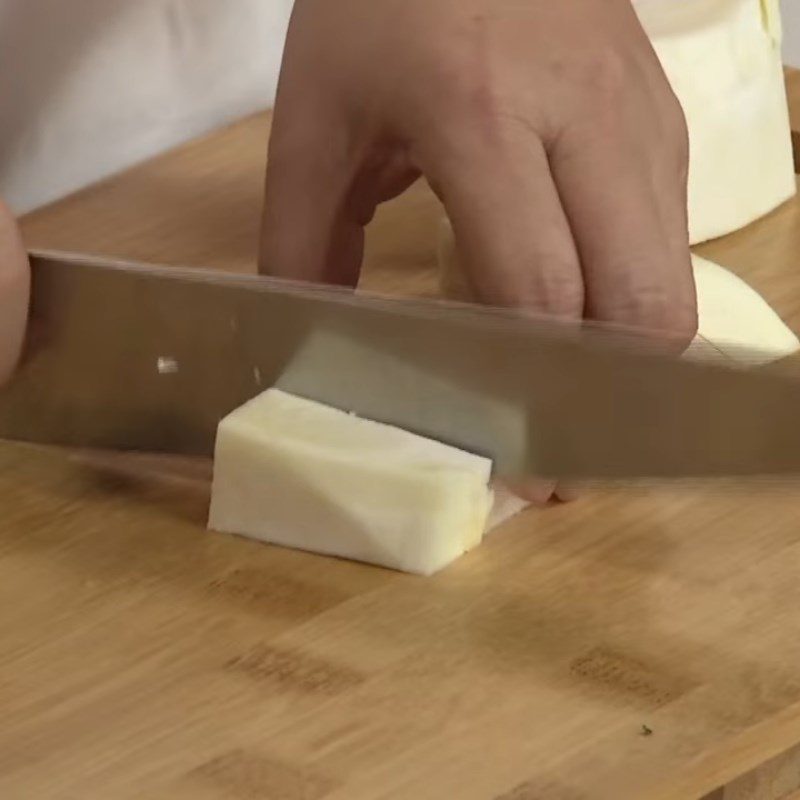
<point>736,319</point>
<point>723,60</point>
<point>300,474</point>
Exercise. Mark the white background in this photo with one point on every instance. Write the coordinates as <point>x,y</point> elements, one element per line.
<point>89,87</point>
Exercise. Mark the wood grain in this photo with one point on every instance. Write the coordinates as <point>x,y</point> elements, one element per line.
<point>640,643</point>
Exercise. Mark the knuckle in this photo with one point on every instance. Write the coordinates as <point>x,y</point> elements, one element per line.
<point>459,78</point>
<point>473,102</point>
<point>555,290</point>
<point>607,75</point>
<point>662,312</point>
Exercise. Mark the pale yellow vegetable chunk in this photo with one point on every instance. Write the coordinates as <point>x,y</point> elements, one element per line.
<point>300,474</point>
<point>736,319</point>
<point>723,60</point>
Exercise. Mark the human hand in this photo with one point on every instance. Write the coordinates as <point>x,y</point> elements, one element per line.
<point>548,130</point>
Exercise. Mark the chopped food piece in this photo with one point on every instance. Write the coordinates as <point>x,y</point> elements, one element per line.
<point>300,474</point>
<point>736,320</point>
<point>723,60</point>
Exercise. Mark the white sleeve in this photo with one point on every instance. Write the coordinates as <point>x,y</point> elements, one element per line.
<point>89,87</point>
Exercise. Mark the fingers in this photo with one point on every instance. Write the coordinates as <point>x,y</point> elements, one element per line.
<point>623,188</point>
<point>514,242</point>
<point>308,229</point>
<point>14,293</point>
<point>322,190</point>
<point>512,235</point>
<point>570,491</point>
<point>536,491</point>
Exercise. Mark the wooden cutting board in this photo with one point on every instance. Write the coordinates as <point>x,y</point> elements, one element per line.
<point>641,643</point>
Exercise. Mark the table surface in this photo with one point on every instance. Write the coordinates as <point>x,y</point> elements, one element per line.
<point>640,643</point>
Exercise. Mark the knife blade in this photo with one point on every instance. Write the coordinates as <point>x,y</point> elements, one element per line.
<point>150,358</point>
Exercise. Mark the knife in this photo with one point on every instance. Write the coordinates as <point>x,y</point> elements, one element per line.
<point>150,358</point>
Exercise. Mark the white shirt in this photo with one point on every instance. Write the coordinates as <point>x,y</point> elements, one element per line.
<point>89,87</point>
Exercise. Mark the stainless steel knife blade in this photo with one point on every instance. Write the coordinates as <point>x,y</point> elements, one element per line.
<point>151,358</point>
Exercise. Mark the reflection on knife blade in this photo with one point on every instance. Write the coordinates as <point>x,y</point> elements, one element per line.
<point>535,394</point>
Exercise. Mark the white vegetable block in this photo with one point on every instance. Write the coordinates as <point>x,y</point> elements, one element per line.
<point>736,319</point>
<point>723,60</point>
<point>300,474</point>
